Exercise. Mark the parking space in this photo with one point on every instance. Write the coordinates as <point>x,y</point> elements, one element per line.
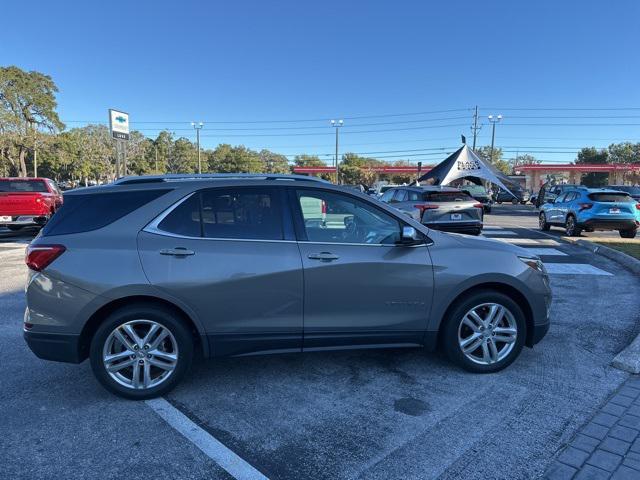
<point>383,414</point>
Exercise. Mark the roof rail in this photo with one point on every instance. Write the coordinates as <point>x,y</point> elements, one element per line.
<point>213,176</point>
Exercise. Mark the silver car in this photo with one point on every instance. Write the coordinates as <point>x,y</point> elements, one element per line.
<point>140,274</point>
<point>441,208</point>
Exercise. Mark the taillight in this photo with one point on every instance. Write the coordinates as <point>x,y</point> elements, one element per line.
<point>425,206</point>
<point>585,206</point>
<point>637,206</point>
<point>39,257</point>
<point>478,205</point>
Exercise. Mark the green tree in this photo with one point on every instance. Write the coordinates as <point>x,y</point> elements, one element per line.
<point>239,159</point>
<point>27,105</point>
<point>183,157</point>
<point>274,162</point>
<point>592,155</point>
<point>485,154</point>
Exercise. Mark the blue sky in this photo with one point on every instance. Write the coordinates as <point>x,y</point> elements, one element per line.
<point>236,61</point>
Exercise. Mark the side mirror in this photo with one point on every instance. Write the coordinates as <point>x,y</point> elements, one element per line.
<point>410,236</point>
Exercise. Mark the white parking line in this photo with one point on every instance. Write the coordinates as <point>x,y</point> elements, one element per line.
<point>492,227</point>
<point>574,269</point>
<point>211,447</point>
<point>530,241</point>
<point>546,251</point>
<point>501,232</point>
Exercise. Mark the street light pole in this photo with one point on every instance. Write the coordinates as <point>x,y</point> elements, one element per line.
<point>337,124</point>
<point>198,126</point>
<point>493,119</point>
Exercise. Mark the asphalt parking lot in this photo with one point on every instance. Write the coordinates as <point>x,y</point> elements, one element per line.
<point>356,414</point>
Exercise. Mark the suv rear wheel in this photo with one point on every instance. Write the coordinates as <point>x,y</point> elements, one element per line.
<point>484,333</point>
<point>141,351</point>
<point>628,233</point>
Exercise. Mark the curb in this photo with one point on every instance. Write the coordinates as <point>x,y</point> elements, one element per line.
<point>628,359</point>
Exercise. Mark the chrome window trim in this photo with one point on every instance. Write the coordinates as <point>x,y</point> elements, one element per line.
<point>152,227</point>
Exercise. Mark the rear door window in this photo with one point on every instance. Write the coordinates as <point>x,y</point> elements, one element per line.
<point>610,197</point>
<point>245,213</point>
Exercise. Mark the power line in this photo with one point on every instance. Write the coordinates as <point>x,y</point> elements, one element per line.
<point>325,119</point>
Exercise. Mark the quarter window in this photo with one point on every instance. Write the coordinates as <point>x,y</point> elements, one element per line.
<point>334,218</point>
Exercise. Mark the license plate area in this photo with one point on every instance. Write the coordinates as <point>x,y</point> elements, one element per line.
<point>456,216</point>
<point>5,218</point>
<point>614,210</point>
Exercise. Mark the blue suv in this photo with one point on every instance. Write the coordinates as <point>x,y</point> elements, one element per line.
<point>592,209</point>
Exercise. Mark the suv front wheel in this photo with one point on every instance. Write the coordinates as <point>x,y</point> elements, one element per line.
<point>484,333</point>
<point>141,351</point>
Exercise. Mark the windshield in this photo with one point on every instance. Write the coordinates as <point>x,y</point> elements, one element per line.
<point>22,186</point>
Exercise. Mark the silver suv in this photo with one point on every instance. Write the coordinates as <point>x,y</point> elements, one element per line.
<point>140,274</point>
<point>442,208</point>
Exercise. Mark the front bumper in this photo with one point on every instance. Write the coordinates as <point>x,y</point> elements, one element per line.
<point>539,331</point>
<point>54,346</point>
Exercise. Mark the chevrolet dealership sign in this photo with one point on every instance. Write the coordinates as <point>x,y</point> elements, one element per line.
<point>119,124</point>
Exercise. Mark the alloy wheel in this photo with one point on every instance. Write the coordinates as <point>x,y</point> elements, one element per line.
<point>140,354</point>
<point>487,333</point>
<point>570,226</point>
<point>542,221</point>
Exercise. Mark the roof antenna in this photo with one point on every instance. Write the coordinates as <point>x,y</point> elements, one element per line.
<point>464,139</point>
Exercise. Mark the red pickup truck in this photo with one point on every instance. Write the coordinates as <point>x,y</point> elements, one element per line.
<point>27,201</point>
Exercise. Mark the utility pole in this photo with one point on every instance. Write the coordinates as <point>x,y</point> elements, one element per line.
<point>156,146</point>
<point>198,126</point>
<point>475,127</point>
<point>337,125</point>
<point>493,119</point>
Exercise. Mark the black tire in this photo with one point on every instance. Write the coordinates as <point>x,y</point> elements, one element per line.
<point>571,227</point>
<point>514,201</point>
<point>629,233</point>
<point>14,228</point>
<point>456,313</point>
<point>146,311</point>
<point>542,222</point>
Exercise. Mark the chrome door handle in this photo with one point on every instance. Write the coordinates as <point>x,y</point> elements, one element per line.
<point>177,252</point>
<point>324,256</point>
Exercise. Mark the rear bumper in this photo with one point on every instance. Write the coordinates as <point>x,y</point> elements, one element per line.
<point>455,226</point>
<point>609,224</point>
<point>54,346</point>
<point>25,220</point>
